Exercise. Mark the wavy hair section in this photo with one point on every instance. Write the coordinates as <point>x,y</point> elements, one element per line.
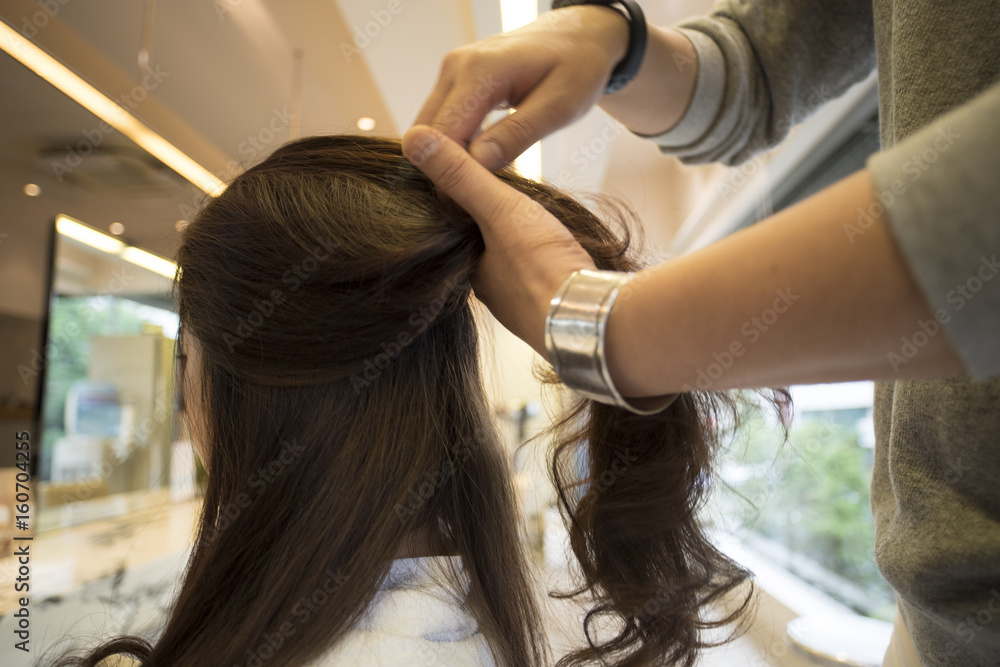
<point>630,488</point>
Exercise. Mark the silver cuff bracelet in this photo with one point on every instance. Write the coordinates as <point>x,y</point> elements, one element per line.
<point>574,338</point>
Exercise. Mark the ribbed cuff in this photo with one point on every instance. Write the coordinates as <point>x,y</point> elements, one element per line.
<point>706,101</point>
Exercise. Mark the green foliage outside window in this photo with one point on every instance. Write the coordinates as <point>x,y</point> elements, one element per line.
<point>810,495</point>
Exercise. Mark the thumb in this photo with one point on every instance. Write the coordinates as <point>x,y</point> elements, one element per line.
<point>495,205</point>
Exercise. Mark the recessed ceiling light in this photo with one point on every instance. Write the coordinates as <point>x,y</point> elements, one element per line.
<point>116,228</point>
<point>32,190</point>
<point>365,123</point>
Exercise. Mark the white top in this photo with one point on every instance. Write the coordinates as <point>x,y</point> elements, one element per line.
<point>413,620</point>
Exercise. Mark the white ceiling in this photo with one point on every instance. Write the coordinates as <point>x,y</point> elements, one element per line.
<point>224,93</point>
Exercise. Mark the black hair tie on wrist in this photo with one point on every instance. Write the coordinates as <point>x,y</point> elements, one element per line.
<point>628,67</point>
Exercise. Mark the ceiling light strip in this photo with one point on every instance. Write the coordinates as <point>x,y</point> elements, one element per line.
<point>60,76</point>
<point>87,235</point>
<point>78,231</point>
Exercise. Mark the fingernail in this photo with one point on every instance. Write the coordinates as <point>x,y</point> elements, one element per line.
<point>424,146</point>
<point>487,153</point>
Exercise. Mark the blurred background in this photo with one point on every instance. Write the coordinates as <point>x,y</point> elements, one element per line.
<point>119,119</point>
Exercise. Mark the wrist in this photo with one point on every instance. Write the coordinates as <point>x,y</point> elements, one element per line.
<point>601,25</point>
<point>627,66</point>
<point>576,330</point>
<point>663,88</point>
<point>547,289</point>
<point>616,343</point>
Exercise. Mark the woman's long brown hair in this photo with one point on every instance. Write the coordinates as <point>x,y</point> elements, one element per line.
<point>328,290</point>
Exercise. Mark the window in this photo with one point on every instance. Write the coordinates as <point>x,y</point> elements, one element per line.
<point>100,444</point>
<point>804,504</point>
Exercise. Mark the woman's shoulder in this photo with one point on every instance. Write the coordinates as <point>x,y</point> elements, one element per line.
<point>418,617</point>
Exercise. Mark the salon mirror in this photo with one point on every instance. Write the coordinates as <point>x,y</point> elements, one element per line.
<point>86,336</point>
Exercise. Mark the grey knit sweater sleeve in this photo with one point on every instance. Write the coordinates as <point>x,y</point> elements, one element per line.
<point>940,188</point>
<point>763,67</point>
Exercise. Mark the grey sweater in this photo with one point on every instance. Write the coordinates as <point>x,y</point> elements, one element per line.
<point>763,67</point>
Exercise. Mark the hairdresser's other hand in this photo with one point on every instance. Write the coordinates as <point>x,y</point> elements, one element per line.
<point>552,71</point>
<point>529,252</point>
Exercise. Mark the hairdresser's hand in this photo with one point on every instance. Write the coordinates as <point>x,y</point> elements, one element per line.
<point>529,252</point>
<point>552,71</point>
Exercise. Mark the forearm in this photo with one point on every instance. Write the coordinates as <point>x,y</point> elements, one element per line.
<point>794,299</point>
<point>656,99</point>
